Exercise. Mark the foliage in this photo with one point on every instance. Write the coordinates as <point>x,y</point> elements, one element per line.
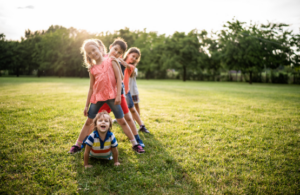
<point>252,49</point>
<point>197,55</point>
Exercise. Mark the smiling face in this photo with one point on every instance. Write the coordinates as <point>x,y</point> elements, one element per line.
<point>116,51</point>
<point>103,123</point>
<point>132,58</point>
<point>93,52</point>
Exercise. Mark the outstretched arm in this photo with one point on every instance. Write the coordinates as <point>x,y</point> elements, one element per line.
<point>124,63</point>
<point>119,81</point>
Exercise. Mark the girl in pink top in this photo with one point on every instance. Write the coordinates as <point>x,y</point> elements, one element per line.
<point>105,87</point>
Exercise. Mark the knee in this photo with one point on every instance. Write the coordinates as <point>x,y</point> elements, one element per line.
<point>88,122</point>
<point>121,121</point>
<point>132,110</point>
<point>128,118</point>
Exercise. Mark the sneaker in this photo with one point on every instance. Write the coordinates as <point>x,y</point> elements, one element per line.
<point>114,121</point>
<point>83,142</point>
<point>143,129</point>
<point>140,142</point>
<point>74,149</point>
<point>138,149</point>
<point>110,158</point>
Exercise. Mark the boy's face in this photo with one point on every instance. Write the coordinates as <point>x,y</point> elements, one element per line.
<point>103,124</point>
<point>116,51</point>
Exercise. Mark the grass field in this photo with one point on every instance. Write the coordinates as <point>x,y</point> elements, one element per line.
<point>206,138</point>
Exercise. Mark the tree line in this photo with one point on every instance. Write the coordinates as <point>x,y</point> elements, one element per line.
<point>240,51</point>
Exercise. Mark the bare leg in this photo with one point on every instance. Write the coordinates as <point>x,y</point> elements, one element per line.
<point>137,107</point>
<point>125,128</point>
<point>91,129</point>
<point>136,116</point>
<point>85,130</point>
<point>130,122</point>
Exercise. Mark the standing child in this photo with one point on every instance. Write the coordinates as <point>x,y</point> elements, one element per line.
<point>105,87</point>
<point>102,143</point>
<point>132,56</point>
<point>134,89</point>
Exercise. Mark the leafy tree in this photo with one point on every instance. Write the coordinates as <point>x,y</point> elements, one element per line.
<point>252,49</point>
<point>182,52</point>
<point>210,53</point>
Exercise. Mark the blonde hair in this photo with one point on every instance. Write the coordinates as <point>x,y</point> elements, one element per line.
<point>101,44</point>
<point>98,116</point>
<point>88,62</point>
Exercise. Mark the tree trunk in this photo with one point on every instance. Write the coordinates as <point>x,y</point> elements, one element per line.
<point>241,78</point>
<point>184,73</point>
<point>148,75</point>
<point>39,73</point>
<point>250,78</point>
<point>17,72</point>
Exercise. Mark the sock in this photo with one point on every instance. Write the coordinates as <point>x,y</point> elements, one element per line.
<point>142,126</point>
<point>78,143</point>
<point>137,136</point>
<point>133,142</point>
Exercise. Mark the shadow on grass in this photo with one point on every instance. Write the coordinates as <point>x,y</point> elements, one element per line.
<point>155,172</point>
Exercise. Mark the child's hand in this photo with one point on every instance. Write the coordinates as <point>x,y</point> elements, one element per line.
<point>118,100</point>
<point>123,62</point>
<point>117,164</point>
<point>88,166</point>
<point>113,57</point>
<point>85,112</point>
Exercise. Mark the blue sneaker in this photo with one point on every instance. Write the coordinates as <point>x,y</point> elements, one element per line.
<point>83,142</point>
<point>110,158</point>
<point>138,139</point>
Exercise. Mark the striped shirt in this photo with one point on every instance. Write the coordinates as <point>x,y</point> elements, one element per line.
<point>99,148</point>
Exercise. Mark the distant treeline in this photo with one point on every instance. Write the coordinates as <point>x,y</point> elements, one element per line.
<point>241,52</point>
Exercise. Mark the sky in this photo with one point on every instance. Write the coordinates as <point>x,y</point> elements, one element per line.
<point>161,16</point>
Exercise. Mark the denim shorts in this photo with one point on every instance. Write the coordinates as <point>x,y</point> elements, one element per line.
<point>116,109</point>
<point>129,100</point>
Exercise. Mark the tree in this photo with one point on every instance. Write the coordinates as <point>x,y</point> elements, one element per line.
<point>182,52</point>
<point>252,49</point>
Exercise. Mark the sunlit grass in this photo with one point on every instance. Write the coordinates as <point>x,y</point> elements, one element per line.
<point>206,138</point>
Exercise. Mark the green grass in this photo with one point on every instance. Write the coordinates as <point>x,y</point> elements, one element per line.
<point>206,138</point>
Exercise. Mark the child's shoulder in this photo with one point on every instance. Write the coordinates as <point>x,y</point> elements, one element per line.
<point>93,134</point>
<point>109,133</point>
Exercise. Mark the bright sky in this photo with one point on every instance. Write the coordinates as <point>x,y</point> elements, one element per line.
<point>162,16</point>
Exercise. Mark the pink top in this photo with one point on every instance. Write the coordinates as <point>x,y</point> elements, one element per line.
<point>105,86</point>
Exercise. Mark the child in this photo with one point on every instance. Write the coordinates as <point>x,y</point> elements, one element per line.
<point>101,143</point>
<point>117,48</point>
<point>132,56</point>
<point>134,89</point>
<point>105,87</point>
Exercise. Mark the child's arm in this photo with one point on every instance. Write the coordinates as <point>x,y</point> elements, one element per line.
<point>86,156</point>
<point>124,63</point>
<point>92,81</point>
<point>115,155</point>
<point>119,81</point>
